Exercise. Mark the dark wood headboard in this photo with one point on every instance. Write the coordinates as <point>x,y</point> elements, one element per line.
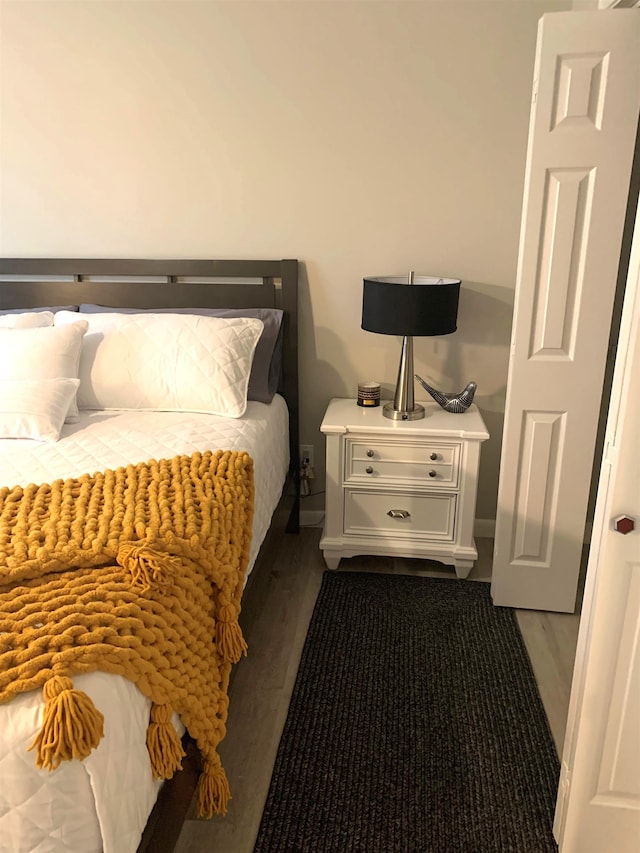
<point>159,283</point>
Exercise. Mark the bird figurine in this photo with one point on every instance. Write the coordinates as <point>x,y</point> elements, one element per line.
<point>454,403</point>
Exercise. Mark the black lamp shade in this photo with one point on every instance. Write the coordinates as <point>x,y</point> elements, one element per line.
<point>391,306</point>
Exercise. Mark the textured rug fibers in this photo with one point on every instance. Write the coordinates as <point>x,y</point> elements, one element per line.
<point>415,726</point>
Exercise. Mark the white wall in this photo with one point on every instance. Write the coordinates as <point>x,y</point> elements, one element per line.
<point>364,138</point>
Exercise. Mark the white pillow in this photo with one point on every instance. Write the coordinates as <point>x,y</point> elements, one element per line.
<point>166,362</point>
<point>44,353</point>
<point>27,320</point>
<point>35,408</point>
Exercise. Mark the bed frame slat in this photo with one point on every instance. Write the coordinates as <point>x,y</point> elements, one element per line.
<point>142,266</point>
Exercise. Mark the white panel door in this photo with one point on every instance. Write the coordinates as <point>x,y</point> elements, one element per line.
<point>599,796</point>
<point>586,101</point>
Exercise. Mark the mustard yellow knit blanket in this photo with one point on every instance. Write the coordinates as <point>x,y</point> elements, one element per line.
<point>136,571</point>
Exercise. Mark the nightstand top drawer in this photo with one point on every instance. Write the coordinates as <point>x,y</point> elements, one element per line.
<point>420,463</point>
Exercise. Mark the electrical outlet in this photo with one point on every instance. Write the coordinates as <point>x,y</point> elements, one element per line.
<point>306,454</point>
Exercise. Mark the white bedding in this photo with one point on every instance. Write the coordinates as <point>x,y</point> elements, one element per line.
<point>102,803</point>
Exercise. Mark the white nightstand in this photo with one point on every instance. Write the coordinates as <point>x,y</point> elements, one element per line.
<point>404,488</point>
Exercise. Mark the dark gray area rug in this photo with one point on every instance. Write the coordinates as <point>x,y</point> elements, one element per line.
<point>415,726</point>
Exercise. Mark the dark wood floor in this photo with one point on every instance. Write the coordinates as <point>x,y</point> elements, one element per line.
<point>264,680</point>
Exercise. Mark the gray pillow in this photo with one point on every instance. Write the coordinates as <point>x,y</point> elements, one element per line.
<point>267,360</point>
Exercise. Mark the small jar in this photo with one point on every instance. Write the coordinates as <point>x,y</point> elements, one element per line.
<point>369,394</point>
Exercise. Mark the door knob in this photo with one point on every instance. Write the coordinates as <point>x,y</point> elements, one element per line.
<point>624,524</point>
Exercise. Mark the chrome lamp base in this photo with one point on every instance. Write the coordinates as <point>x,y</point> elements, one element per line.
<point>403,407</point>
<point>389,411</point>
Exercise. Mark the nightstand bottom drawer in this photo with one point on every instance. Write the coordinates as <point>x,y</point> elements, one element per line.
<point>385,514</point>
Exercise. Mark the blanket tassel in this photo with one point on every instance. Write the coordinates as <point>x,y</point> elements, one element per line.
<point>71,724</point>
<point>147,567</point>
<point>213,790</point>
<point>229,640</point>
<point>163,743</point>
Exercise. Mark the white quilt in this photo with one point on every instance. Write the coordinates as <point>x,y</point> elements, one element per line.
<point>102,803</point>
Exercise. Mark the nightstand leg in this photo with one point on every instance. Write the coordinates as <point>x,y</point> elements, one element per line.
<point>331,561</point>
<point>463,567</point>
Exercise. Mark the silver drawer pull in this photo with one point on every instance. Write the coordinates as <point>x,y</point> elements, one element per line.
<point>399,513</point>
<point>369,469</point>
<point>433,457</point>
<point>369,453</point>
<point>433,473</point>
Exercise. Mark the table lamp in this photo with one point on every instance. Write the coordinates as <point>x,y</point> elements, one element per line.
<point>409,306</point>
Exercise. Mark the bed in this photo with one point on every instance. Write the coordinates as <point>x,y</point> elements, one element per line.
<point>110,801</point>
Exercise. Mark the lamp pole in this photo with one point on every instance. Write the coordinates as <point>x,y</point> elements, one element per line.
<point>404,408</point>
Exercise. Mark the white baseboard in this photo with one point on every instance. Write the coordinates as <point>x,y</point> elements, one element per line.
<point>311,517</point>
<point>485,528</point>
